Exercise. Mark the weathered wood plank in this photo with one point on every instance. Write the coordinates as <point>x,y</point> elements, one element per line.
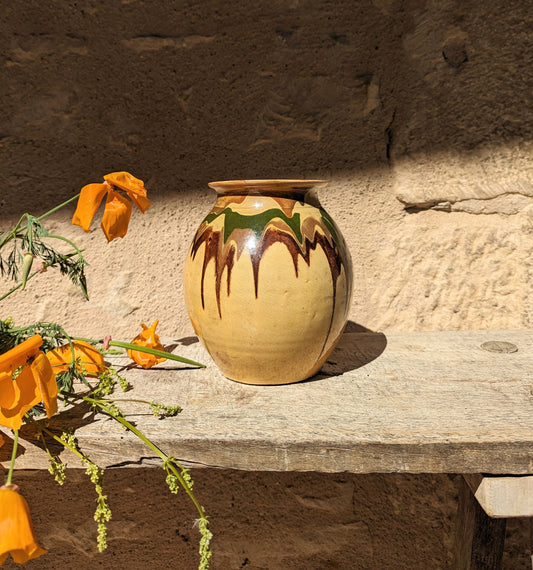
<point>401,402</point>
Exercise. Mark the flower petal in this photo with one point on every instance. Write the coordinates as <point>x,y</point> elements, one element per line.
<point>150,339</point>
<point>46,381</point>
<point>18,356</point>
<point>7,390</point>
<point>116,215</point>
<point>134,187</point>
<point>16,529</point>
<point>27,395</point>
<point>88,203</point>
<point>90,359</point>
<point>125,181</point>
<point>140,201</point>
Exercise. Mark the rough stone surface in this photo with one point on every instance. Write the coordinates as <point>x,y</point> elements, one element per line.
<point>419,112</point>
<point>262,521</point>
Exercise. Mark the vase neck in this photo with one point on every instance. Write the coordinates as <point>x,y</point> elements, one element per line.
<point>292,189</point>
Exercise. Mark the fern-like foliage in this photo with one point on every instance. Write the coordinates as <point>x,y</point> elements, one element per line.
<point>30,237</point>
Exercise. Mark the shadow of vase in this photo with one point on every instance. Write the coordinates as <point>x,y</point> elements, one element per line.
<point>356,348</point>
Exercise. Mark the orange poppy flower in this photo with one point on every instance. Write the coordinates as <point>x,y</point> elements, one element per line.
<point>89,359</point>
<point>118,208</point>
<point>36,382</point>
<point>150,339</point>
<point>16,529</point>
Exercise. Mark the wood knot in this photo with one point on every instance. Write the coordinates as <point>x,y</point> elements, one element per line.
<point>499,346</point>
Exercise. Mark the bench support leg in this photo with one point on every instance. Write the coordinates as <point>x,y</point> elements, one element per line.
<point>531,539</point>
<point>479,539</point>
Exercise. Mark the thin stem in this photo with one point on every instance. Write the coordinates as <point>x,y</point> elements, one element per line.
<point>45,265</point>
<point>134,400</point>
<point>154,351</point>
<point>43,439</point>
<point>71,243</point>
<point>152,446</point>
<point>10,235</point>
<point>64,443</point>
<point>60,206</point>
<point>13,457</point>
<point>17,286</point>
<point>139,348</point>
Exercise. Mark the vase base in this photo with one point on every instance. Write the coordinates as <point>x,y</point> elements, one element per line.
<point>258,379</point>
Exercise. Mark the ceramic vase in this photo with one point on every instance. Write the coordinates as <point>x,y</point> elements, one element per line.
<point>268,281</point>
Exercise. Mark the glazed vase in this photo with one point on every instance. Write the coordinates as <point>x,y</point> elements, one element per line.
<point>268,281</point>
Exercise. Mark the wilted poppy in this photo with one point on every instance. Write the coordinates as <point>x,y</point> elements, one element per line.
<point>26,378</point>
<point>118,208</point>
<point>89,360</point>
<point>150,339</point>
<point>16,529</point>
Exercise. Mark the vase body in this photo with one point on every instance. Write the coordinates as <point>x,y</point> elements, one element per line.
<point>268,281</point>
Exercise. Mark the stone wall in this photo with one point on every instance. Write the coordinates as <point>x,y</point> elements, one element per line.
<point>419,112</point>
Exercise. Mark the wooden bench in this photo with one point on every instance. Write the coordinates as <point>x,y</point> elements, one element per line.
<point>424,402</point>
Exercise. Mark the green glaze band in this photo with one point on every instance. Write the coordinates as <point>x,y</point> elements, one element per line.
<point>255,222</point>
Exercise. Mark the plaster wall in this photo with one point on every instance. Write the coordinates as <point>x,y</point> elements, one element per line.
<point>419,112</point>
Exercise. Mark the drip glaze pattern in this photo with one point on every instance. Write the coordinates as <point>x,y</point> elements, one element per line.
<point>268,282</point>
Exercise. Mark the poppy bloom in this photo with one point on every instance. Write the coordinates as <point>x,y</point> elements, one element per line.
<point>89,360</point>
<point>16,529</point>
<point>118,208</point>
<point>33,383</point>
<point>150,339</point>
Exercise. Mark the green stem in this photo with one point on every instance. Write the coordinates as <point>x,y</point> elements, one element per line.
<point>60,206</point>
<point>139,348</point>
<point>45,265</point>
<point>17,286</point>
<point>64,443</point>
<point>152,446</point>
<point>13,457</point>
<point>134,400</point>
<point>71,243</point>
<point>10,235</point>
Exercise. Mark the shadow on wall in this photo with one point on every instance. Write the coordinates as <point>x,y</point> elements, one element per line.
<point>183,95</point>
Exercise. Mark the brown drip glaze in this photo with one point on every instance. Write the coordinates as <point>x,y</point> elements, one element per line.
<point>224,254</point>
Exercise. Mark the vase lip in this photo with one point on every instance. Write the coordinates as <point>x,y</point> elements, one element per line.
<point>277,184</point>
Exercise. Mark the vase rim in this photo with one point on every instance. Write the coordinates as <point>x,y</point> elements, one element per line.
<point>277,184</point>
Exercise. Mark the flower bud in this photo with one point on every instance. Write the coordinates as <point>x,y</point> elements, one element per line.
<point>26,267</point>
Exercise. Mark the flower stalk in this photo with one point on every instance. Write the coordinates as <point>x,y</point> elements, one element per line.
<point>147,349</point>
<point>39,363</point>
<point>13,457</point>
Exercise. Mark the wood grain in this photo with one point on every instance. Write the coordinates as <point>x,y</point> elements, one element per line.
<point>424,402</point>
<point>503,497</point>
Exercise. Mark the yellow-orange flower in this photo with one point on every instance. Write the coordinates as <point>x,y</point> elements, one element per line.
<point>36,382</point>
<point>16,529</point>
<point>117,210</point>
<point>150,339</point>
<point>89,360</point>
